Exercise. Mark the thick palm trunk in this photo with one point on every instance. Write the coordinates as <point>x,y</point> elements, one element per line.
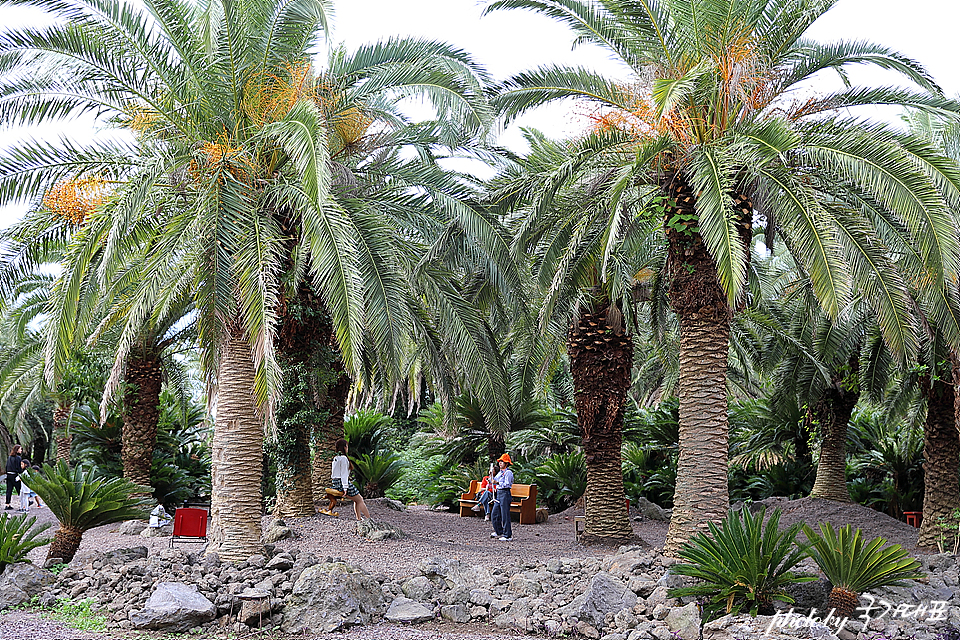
<point>324,438</point>
<point>832,413</point>
<point>141,415</point>
<point>61,415</point>
<point>941,452</point>
<point>701,494</point>
<point>496,446</point>
<point>236,500</point>
<point>601,358</point>
<point>65,543</point>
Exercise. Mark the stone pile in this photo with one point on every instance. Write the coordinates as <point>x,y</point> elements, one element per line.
<point>620,597</point>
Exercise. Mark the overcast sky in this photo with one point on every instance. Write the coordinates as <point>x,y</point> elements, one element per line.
<point>507,42</point>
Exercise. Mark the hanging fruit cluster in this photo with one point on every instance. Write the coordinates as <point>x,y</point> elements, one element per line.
<point>216,155</point>
<point>74,200</point>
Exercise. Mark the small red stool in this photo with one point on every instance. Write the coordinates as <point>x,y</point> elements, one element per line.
<point>914,518</point>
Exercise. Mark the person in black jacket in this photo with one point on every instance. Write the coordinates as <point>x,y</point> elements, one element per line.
<point>13,472</point>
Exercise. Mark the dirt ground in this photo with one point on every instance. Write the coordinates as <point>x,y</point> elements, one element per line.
<point>430,533</point>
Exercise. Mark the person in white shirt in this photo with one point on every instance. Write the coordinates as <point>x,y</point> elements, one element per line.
<point>340,480</point>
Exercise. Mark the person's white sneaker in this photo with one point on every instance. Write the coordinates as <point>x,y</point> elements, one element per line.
<point>486,518</point>
<point>494,535</point>
<point>476,507</point>
<point>505,539</point>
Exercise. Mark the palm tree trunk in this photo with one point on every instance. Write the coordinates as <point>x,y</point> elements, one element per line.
<point>65,543</point>
<point>496,446</point>
<point>702,493</point>
<point>324,438</point>
<point>141,415</point>
<point>237,456</point>
<point>61,415</point>
<point>601,359</point>
<point>941,452</point>
<point>833,412</point>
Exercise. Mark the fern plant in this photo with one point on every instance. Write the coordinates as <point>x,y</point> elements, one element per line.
<point>18,537</point>
<point>853,567</point>
<point>742,564</point>
<point>80,500</point>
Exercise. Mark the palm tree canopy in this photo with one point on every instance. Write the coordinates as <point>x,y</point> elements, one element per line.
<point>718,95</point>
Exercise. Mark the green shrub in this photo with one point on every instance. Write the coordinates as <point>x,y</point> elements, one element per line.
<point>18,537</point>
<point>742,564</point>
<point>561,480</point>
<point>368,432</point>
<point>853,567</point>
<point>377,472</point>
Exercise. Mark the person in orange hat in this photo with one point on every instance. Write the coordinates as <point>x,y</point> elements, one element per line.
<point>501,506</point>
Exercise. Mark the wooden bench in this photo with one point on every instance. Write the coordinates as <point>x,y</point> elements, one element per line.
<point>524,501</point>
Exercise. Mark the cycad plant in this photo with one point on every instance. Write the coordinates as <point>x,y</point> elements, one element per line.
<point>853,567</point>
<point>18,538</point>
<point>378,471</point>
<point>742,563</point>
<point>562,479</point>
<point>81,500</point>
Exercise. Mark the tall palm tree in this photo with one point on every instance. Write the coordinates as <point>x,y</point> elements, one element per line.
<point>712,120</point>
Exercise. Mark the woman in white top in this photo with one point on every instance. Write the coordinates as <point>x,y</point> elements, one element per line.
<point>340,480</point>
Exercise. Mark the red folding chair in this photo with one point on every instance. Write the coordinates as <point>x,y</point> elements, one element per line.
<point>190,525</point>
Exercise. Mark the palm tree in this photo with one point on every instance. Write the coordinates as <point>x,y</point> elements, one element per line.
<point>712,123</point>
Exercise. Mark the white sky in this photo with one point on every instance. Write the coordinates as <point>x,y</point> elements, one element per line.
<point>510,41</point>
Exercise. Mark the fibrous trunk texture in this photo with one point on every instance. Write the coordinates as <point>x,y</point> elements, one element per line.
<point>144,379</point>
<point>237,465</point>
<point>305,353</point>
<point>324,438</point>
<point>601,358</point>
<point>941,452</point>
<point>701,494</point>
<point>65,543</point>
<point>61,415</point>
<point>832,413</point>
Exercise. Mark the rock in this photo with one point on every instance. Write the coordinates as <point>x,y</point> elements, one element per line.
<point>685,621</point>
<point>52,562</point>
<point>373,530</point>
<point>651,511</point>
<point>132,527</point>
<point>157,532</point>
<point>396,505</point>
<point>11,595</point>
<point>481,597</point>
<point>403,609</point>
<point>605,595</point>
<point>455,574</point>
<point>587,631</point>
<point>782,626</point>
<point>27,577</point>
<point>418,588</point>
<point>331,596</point>
<point>524,587</point>
<point>275,533</point>
<point>542,515</point>
<point>257,606</point>
<point>807,596</point>
<point>174,606</point>
<point>280,563</point>
<point>455,613</point>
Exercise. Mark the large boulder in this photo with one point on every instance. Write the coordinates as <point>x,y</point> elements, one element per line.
<point>21,581</point>
<point>684,621</point>
<point>373,530</point>
<point>396,505</point>
<point>132,527</point>
<point>456,574</point>
<point>403,609</point>
<point>329,597</point>
<point>605,595</point>
<point>651,511</point>
<point>174,606</point>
